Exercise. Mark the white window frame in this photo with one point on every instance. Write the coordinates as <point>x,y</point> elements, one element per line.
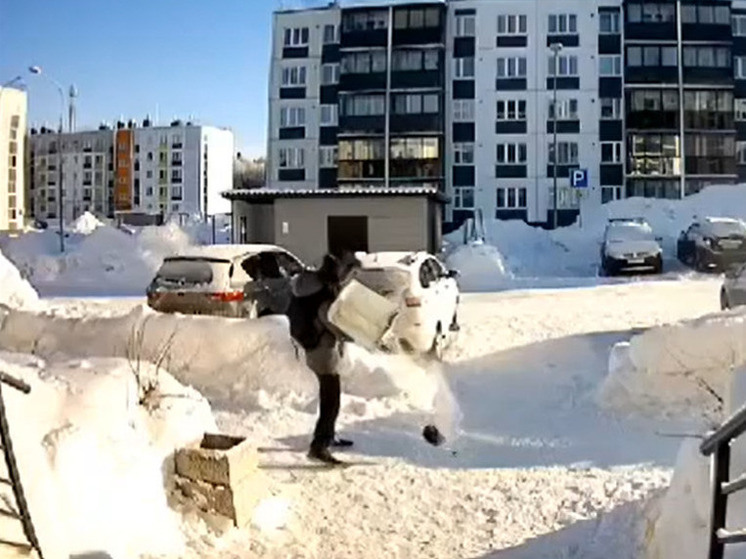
<point>568,60</point>
<point>463,110</point>
<point>465,25</point>
<point>739,109</point>
<point>461,69</point>
<point>617,153</point>
<point>458,197</point>
<point>571,152</point>
<point>518,23</point>
<point>567,109</point>
<point>564,24</point>
<point>463,153</point>
<point>616,105</point>
<point>738,25</point>
<point>294,76</point>
<point>334,69</point>
<point>519,152</point>
<point>291,158</point>
<point>511,110</point>
<point>615,23</point>
<point>739,67</point>
<point>335,34</point>
<point>328,115</point>
<point>741,153</point>
<point>295,37</point>
<point>511,67</point>
<point>328,157</point>
<point>615,69</point>
<point>292,116</point>
<point>516,191</point>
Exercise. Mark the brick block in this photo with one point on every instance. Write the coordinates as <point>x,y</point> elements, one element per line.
<point>236,501</point>
<point>217,459</point>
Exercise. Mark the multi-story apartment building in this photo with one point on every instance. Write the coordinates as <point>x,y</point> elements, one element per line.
<point>13,107</point>
<point>650,100</point>
<point>139,173</point>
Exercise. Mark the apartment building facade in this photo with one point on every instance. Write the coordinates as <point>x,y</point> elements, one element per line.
<point>13,110</point>
<point>650,100</point>
<point>138,172</point>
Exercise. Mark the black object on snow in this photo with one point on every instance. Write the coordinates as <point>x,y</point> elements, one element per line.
<point>433,435</point>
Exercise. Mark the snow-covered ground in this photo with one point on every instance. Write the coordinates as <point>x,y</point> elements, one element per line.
<point>539,470</point>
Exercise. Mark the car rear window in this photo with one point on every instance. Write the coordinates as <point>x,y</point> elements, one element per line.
<point>187,271</point>
<point>630,233</point>
<point>727,229</point>
<point>389,282</point>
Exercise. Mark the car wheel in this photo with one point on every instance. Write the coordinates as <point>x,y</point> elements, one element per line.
<point>658,268</point>
<point>699,263</point>
<point>724,303</point>
<point>438,348</point>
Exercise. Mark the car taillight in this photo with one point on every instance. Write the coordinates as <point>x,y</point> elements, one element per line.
<point>227,296</point>
<point>413,301</point>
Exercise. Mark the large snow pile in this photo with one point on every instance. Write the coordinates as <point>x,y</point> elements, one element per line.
<point>15,291</point>
<point>480,266</point>
<point>94,451</point>
<point>99,259</point>
<point>532,252</point>
<point>678,369</point>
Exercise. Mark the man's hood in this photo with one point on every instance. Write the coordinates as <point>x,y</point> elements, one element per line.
<point>305,284</point>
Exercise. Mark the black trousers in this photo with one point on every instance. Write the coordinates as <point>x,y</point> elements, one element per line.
<point>329,395</point>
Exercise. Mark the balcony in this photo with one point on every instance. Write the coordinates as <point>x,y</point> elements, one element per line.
<point>176,163</point>
<point>177,145</point>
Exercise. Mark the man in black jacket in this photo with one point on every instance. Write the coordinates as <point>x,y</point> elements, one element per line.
<point>313,292</point>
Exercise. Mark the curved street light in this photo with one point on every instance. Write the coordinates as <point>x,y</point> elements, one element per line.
<point>37,71</point>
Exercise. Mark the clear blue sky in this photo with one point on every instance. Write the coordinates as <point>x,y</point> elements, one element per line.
<point>206,58</point>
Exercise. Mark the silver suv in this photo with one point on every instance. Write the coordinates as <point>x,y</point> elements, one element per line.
<point>630,245</point>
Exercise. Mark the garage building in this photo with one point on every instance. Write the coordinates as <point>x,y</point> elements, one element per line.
<point>310,223</point>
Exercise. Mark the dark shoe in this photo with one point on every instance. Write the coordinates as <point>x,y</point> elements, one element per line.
<point>323,455</point>
<point>342,443</point>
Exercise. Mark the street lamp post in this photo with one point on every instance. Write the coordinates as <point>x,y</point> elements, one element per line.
<point>36,70</point>
<point>555,48</point>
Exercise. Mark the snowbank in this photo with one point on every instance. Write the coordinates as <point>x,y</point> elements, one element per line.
<point>481,267</point>
<point>15,291</point>
<point>677,369</point>
<point>99,259</point>
<point>93,448</point>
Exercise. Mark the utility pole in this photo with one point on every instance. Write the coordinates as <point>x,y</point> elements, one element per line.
<point>555,48</point>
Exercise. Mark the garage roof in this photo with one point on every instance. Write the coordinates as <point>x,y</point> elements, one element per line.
<point>268,194</point>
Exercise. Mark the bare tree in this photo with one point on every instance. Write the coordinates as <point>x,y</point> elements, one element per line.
<point>248,173</point>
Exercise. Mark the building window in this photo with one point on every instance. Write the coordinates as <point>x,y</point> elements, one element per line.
<point>414,148</point>
<point>608,23</point>
<point>328,115</point>
<point>361,150</point>
<point>294,76</point>
<point>463,154</point>
<point>567,66</point>
<point>463,110</point>
<point>512,198</point>
<point>611,152</point>
<point>331,34</point>
<point>327,156</point>
<point>651,56</point>
<point>738,25</point>
<point>651,13</point>
<point>562,24</point>
<point>362,105</point>
<point>296,37</point>
<point>463,197</point>
<point>329,74</point>
<point>292,117</point>
<point>176,175</point>
<point>611,108</point>
<point>740,67</point>
<point>567,109</point>
<point>741,153</point>
<point>365,20</point>
<point>512,24</point>
<point>567,153</point>
<point>610,65</point>
<point>416,18</point>
<point>511,67</point>
<point>739,109</point>
<point>708,15</point>
<point>149,191</point>
<point>511,154</point>
<point>511,109</point>
<point>363,62</point>
<point>415,60</point>
<point>465,25</point>
<point>291,158</point>
<point>416,103</point>
<point>707,57</point>
<point>463,67</point>
<point>176,194</point>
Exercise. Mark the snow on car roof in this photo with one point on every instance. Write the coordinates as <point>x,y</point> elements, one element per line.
<point>226,252</point>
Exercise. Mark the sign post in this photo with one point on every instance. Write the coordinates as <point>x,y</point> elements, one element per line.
<point>579,181</point>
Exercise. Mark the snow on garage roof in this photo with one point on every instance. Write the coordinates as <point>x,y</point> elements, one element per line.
<point>227,252</point>
<point>270,193</point>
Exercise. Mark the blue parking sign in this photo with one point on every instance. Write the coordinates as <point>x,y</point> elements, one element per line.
<point>579,178</point>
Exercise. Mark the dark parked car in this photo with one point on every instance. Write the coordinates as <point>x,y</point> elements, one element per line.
<point>630,245</point>
<point>713,244</point>
<point>733,292</point>
<point>225,280</point>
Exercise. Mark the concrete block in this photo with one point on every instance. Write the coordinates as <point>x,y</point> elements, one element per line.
<point>217,459</point>
<point>236,501</point>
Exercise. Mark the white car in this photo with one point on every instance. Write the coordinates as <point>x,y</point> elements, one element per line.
<point>630,244</point>
<point>426,292</point>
